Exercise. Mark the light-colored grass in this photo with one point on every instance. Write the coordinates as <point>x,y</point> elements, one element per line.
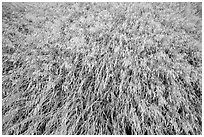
<point>102,68</point>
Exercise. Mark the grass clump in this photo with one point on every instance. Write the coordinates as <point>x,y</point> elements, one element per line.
<point>101,68</point>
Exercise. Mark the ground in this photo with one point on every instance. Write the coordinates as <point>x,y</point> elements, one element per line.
<point>102,68</point>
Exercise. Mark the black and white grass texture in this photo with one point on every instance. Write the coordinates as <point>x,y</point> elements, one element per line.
<point>83,68</point>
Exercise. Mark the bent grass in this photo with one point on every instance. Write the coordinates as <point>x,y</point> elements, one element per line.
<point>113,83</point>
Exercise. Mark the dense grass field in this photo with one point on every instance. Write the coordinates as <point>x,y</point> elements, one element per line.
<point>102,68</point>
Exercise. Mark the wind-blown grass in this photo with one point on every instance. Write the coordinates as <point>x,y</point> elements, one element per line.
<point>102,68</point>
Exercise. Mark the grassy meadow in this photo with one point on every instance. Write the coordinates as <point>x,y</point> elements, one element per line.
<point>102,68</point>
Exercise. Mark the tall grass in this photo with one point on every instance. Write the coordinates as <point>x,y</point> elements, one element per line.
<point>101,68</point>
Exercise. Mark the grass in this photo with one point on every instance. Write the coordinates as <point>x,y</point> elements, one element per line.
<point>101,68</point>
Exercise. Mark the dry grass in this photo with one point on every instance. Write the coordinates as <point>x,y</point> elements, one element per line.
<point>102,68</point>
